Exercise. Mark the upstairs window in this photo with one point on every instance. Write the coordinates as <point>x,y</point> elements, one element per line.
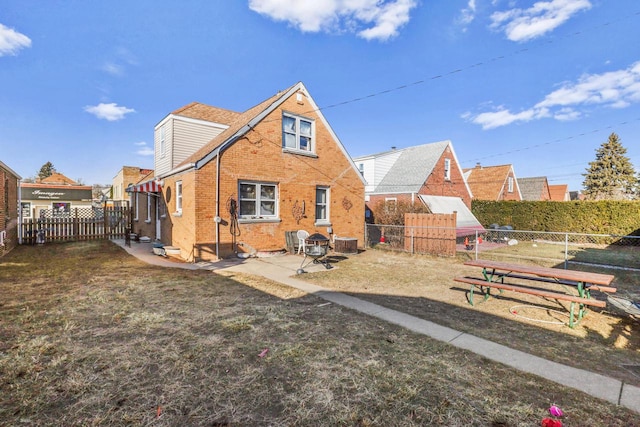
<point>510,184</point>
<point>163,144</point>
<point>297,133</point>
<point>258,200</point>
<point>447,169</point>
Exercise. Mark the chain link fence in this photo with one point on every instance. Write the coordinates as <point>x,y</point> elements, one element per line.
<point>506,243</point>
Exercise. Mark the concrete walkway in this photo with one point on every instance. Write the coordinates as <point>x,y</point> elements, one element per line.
<point>283,269</point>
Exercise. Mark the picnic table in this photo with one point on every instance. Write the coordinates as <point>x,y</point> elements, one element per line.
<point>577,285</point>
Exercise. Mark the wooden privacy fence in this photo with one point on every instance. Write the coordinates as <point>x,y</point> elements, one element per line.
<point>77,224</point>
<point>430,233</point>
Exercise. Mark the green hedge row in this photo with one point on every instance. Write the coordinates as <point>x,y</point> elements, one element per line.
<point>591,217</point>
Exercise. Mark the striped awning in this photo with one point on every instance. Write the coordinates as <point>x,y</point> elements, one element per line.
<point>145,187</point>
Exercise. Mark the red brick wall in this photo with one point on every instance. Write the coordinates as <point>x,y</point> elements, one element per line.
<point>436,184</point>
<point>259,157</point>
<point>514,195</point>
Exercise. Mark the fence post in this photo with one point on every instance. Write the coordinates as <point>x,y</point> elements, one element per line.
<point>412,240</point>
<point>566,250</point>
<point>476,245</point>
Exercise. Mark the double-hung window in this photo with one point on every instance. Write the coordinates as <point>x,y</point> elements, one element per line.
<point>178,197</point>
<point>510,184</point>
<point>297,133</point>
<point>258,200</point>
<point>322,205</point>
<point>163,143</point>
<point>447,169</point>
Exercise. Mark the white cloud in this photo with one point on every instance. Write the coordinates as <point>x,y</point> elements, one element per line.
<point>12,41</point>
<point>111,112</point>
<point>383,18</point>
<point>614,89</point>
<point>468,14</point>
<point>113,69</point>
<point>144,150</point>
<point>525,24</point>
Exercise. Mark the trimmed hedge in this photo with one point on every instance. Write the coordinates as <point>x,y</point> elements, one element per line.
<point>591,217</point>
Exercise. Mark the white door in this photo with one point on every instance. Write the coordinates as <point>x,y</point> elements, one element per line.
<point>158,223</point>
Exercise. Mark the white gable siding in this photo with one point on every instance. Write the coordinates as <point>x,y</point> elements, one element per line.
<point>189,137</point>
<point>383,165</point>
<point>162,163</point>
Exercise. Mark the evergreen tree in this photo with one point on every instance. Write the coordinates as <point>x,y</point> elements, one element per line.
<point>46,170</point>
<point>611,174</point>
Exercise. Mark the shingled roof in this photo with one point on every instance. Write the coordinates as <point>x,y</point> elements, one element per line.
<point>235,126</point>
<point>199,111</point>
<point>534,188</point>
<point>488,182</point>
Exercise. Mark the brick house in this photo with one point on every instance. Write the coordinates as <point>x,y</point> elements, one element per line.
<point>9,185</point>
<point>493,182</point>
<point>534,189</point>
<point>429,174</point>
<point>559,193</point>
<point>274,168</point>
<point>127,176</point>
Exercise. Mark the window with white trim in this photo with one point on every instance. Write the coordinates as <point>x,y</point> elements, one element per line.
<point>322,204</point>
<point>258,200</point>
<point>179,197</point>
<point>163,144</point>
<point>297,133</point>
<point>447,169</point>
<point>510,184</point>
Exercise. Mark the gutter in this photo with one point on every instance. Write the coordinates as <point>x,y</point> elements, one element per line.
<point>176,170</point>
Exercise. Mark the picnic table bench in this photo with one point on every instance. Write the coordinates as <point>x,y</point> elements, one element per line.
<point>582,283</point>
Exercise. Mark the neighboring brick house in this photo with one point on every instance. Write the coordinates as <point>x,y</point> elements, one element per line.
<point>429,174</point>
<point>493,182</point>
<point>127,176</point>
<point>9,185</point>
<point>534,189</point>
<point>559,193</point>
<point>277,167</point>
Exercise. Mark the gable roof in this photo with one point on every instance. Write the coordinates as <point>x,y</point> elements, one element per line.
<point>534,188</point>
<point>244,122</point>
<point>559,192</point>
<point>57,178</point>
<point>487,182</point>
<point>199,111</point>
<point>409,168</point>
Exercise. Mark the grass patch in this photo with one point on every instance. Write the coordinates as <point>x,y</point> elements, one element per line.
<point>91,336</point>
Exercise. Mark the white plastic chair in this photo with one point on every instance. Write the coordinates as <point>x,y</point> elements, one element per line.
<point>302,241</point>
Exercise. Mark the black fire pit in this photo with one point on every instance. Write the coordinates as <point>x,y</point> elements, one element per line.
<point>316,247</point>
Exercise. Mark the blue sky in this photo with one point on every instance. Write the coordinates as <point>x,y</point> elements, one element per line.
<point>539,85</point>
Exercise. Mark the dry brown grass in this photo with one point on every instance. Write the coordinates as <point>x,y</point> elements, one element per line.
<point>92,336</point>
<point>423,286</point>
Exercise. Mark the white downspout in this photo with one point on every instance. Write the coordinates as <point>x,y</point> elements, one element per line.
<point>217,217</point>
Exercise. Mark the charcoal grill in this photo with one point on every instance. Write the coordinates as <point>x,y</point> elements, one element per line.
<point>316,247</point>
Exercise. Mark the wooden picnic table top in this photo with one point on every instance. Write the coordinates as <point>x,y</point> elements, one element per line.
<point>556,273</point>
